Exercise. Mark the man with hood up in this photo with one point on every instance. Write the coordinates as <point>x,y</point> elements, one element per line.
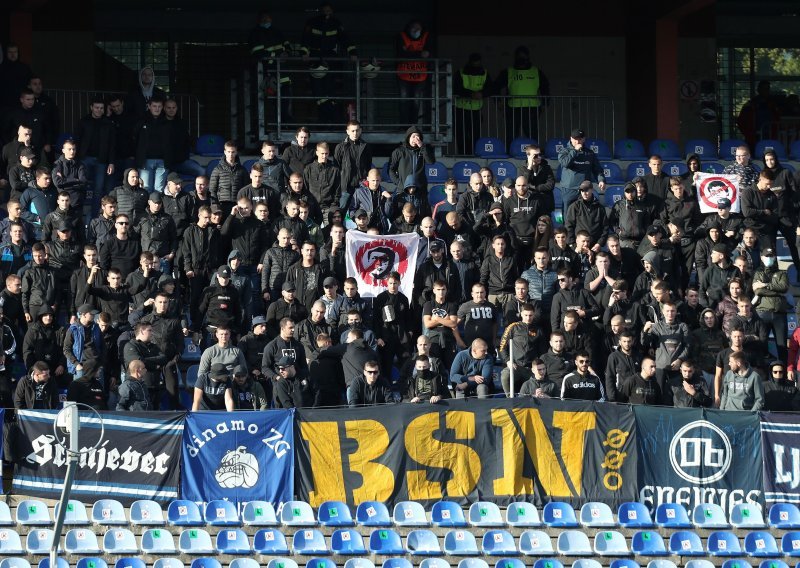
<point>409,159</point>
<point>131,198</point>
<point>43,343</point>
<point>137,100</point>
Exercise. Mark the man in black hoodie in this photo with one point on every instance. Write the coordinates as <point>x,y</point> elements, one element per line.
<point>39,291</point>
<point>368,389</point>
<point>220,301</point>
<point>409,159</point>
<point>87,389</point>
<point>498,273</point>
<point>252,346</point>
<point>291,390</point>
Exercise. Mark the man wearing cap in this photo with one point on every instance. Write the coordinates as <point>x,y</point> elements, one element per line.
<point>286,306</point>
<point>715,278</point>
<point>770,284</point>
<point>285,344</point>
<point>629,219</point>
<point>201,251</point>
<point>21,175</point>
<point>578,164</point>
<point>436,267</point>
<point>589,215</point>
<point>731,224</point>
<point>291,390</point>
<point>664,249</point>
<point>252,347</point>
<point>247,394</point>
<point>221,302</point>
<point>212,390</point>
<point>38,200</point>
<point>330,287</point>
<point>158,232</point>
<point>83,341</point>
<point>177,204</point>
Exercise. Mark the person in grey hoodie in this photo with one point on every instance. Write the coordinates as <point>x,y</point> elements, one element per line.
<point>741,386</point>
<point>670,341</point>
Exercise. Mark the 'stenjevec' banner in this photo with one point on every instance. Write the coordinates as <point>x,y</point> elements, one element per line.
<point>138,458</point>
<point>496,450</point>
<point>780,437</point>
<point>693,456</point>
<point>238,456</point>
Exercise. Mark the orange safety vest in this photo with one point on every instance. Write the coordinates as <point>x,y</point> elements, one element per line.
<point>413,71</point>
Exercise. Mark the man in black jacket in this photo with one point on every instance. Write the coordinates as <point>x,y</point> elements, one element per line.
<point>153,146</point>
<point>246,234</point>
<point>354,158</point>
<point>498,273</point>
<point>97,136</point>
<point>145,350</point>
<point>221,303</point>
<point>285,345</point>
<point>201,251</point>
<point>252,347</point>
<point>290,389</point>
<point>369,389</point>
<point>36,390</point>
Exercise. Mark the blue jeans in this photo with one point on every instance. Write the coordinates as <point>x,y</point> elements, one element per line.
<point>154,175</point>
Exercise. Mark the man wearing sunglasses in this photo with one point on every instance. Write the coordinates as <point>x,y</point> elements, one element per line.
<point>121,251</point>
<point>540,178</point>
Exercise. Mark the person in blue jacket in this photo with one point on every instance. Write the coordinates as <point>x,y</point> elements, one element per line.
<point>471,371</point>
<point>578,163</point>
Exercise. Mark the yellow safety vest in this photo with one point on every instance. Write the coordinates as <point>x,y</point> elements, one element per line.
<point>523,85</point>
<point>473,83</point>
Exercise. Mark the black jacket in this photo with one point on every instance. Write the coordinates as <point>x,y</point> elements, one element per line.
<point>406,161</point>
<point>276,261</point>
<point>247,236</point>
<point>323,182</point>
<point>354,160</point>
<point>307,281</point>
<point>158,233</point>
<point>43,343</point>
<point>98,135</point>
<point>222,306</point>
<point>201,249</point>
<point>226,181</point>
<point>153,141</point>
<point>25,394</point>
<point>359,393</point>
<point>292,393</point>
<point>38,286</point>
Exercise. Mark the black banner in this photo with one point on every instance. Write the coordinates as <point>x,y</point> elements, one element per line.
<point>496,450</point>
<point>138,456</point>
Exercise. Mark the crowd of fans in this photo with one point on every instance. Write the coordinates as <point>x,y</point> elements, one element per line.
<point>110,264</point>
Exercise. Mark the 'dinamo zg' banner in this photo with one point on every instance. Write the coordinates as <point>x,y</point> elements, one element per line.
<point>138,456</point>
<point>497,450</point>
<point>370,259</point>
<point>238,456</point>
<point>780,445</point>
<point>693,456</point>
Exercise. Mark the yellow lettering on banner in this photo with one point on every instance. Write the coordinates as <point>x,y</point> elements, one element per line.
<point>325,452</point>
<point>573,425</point>
<point>460,459</point>
<point>373,441</point>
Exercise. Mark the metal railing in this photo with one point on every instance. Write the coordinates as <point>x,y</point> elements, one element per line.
<point>74,105</point>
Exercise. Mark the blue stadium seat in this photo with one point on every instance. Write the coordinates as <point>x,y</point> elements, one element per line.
<point>210,145</point>
<point>648,543</point>
<point>243,563</point>
<point>781,249</point>
<point>574,543</point>
<point>434,563</point>
<point>553,146</point>
<point>211,165</point>
<point>347,541</point>
<point>447,514</point>
<point>672,516</point>
<point>386,177</point>
<point>409,514</point>
<point>502,170</point>
<point>435,194</point>
<point>599,147</point>
<point>39,541</point>
<point>709,516</point>
<point>498,543</point>
<point>548,563</point>
<point>10,542</point>
<point>282,563</point>
<point>233,541</point>
<point>613,194</point>
<point>191,353</point>
<point>794,150</point>
<point>335,514</point>
<point>633,515</point>
<point>297,514</point>
<point>271,542</point>
<point>247,165</point>
<point>703,148</point>
<point>385,541</point>
<point>712,167</point>
<point>791,322</point>
<point>460,542</point>
<point>119,541</point>
<point>91,562</point>
<point>184,513</point>
<point>774,145</point>
<point>490,148</point>
<point>259,514</point>
<point>463,169</point>
<point>660,563</point>
<point>472,563</point>
<point>320,563</point>
<point>523,514</point>
<point>509,563</point>
<point>397,563</point>
<point>790,543</point>
<point>130,562</point>
<point>14,563</point>
<point>423,542</point>
<point>612,172</point>
<point>586,563</point>
<point>747,516</point>
<point>60,563</point>
<point>108,512</point>
<point>723,543</point>
<point>558,514</point>
<point>773,563</point>
<point>535,543</point>
<point>485,514</point>
<point>686,543</point>
<point>75,513</point>
<point>359,563</point>
<point>667,149</point>
<point>158,541</point>
<point>81,541</point>
<point>205,563</point>
<point>623,563</point>
<point>675,168</point>
<point>636,169</point>
<point>435,173</point>
<point>597,515</point>
<point>221,513</point>
<point>33,512</point>
<point>727,148</point>
<point>629,149</point>
<point>610,543</point>
<point>517,147</point>
<point>736,563</point>
<point>146,512</point>
<point>195,541</point>
<point>699,564</point>
<point>309,542</point>
<point>373,514</point>
<point>761,544</point>
<point>789,167</point>
<point>6,520</point>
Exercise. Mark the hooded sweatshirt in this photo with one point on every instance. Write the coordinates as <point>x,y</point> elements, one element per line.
<point>742,392</point>
<point>407,160</point>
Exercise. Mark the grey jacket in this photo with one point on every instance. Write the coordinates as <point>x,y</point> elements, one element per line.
<point>742,392</point>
